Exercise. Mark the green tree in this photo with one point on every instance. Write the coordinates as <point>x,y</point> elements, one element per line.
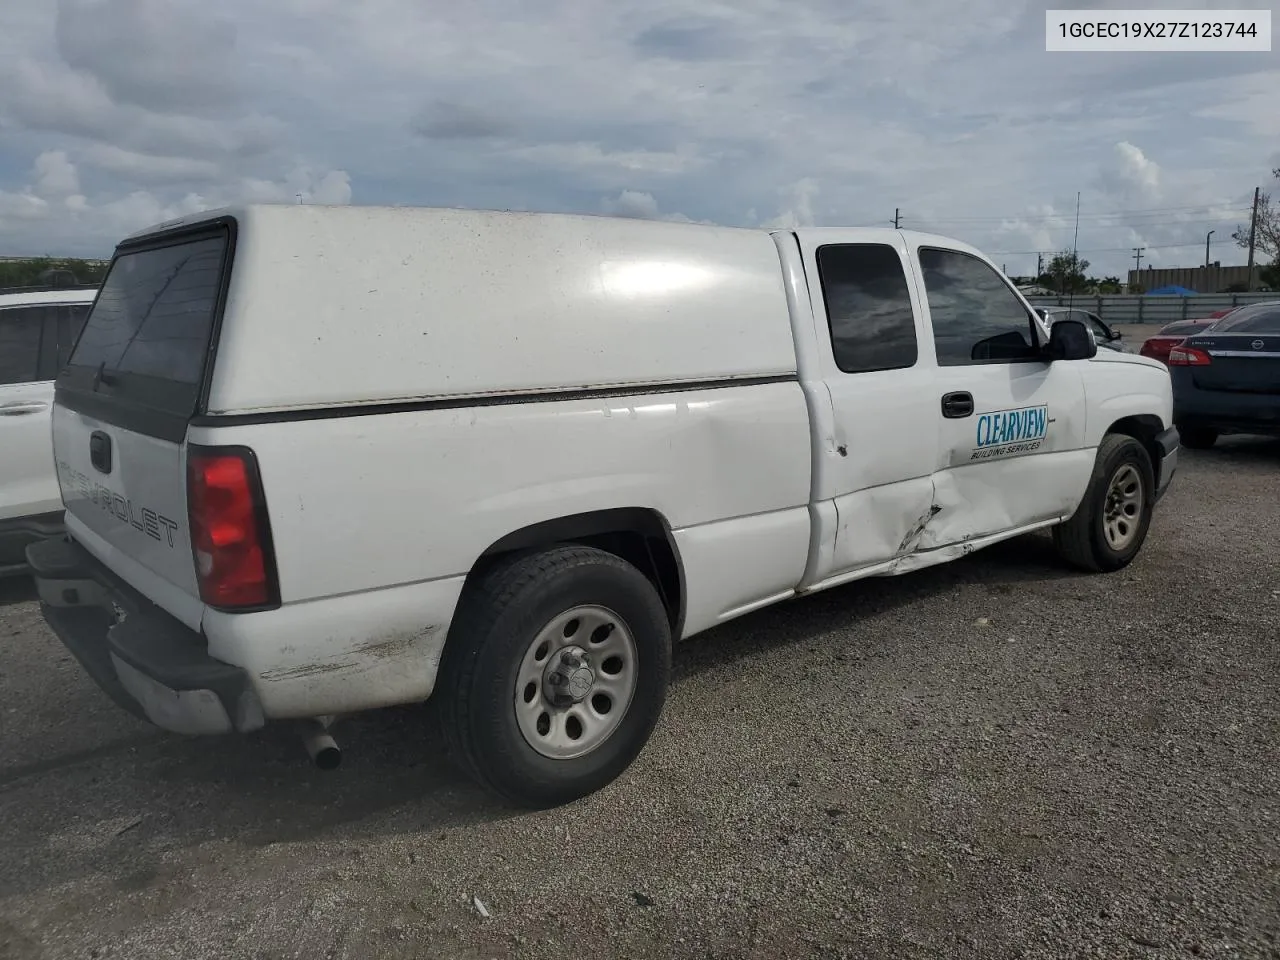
<point>1270,276</point>
<point>42,270</point>
<point>1067,272</point>
<point>1268,232</point>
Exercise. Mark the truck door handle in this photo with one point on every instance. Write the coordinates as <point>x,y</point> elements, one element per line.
<point>21,407</point>
<point>957,405</point>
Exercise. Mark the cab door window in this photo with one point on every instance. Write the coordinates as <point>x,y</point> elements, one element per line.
<point>977,318</point>
<point>25,343</point>
<point>869,311</point>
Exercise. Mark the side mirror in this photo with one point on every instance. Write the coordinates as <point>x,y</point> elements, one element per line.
<point>1070,340</point>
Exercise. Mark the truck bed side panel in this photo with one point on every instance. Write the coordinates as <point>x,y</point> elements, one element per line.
<point>366,504</point>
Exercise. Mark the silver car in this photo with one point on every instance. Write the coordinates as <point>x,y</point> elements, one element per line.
<point>1103,335</point>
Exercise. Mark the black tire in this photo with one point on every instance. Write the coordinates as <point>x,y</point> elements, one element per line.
<point>1197,438</point>
<point>1082,540</point>
<point>498,618</point>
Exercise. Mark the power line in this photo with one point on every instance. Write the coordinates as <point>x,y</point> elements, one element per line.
<point>1253,229</point>
<point>1187,212</point>
<point>1216,205</point>
<point>1117,223</point>
<point>1146,228</point>
<point>1075,247</point>
<point>1155,246</point>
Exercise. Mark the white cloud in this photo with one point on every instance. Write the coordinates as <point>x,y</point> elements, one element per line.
<point>757,111</point>
<point>1136,170</point>
<point>593,159</point>
<point>632,203</point>
<point>798,206</point>
<point>32,213</point>
<point>49,98</point>
<point>640,205</point>
<point>1252,105</point>
<point>334,187</point>
<point>55,175</point>
<point>156,54</point>
<point>22,207</point>
<point>301,185</point>
<point>131,165</point>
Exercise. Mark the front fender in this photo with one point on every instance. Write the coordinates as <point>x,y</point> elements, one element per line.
<point>1120,391</point>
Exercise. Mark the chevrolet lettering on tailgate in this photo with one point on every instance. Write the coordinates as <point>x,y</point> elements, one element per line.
<point>155,525</point>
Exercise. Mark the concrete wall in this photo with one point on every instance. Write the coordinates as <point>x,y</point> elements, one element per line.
<point>1157,310</point>
<point>1212,279</point>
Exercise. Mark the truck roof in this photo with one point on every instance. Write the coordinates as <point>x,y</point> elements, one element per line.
<point>337,305</point>
<point>408,213</point>
<point>401,212</point>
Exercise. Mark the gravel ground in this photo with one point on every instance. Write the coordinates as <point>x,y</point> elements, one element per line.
<point>994,758</point>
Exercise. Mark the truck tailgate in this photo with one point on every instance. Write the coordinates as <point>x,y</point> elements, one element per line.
<point>124,401</point>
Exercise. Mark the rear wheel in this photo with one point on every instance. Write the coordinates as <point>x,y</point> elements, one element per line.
<point>1197,438</point>
<point>554,675</point>
<point>1109,528</point>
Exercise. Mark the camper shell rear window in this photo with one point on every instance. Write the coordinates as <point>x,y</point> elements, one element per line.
<point>145,344</point>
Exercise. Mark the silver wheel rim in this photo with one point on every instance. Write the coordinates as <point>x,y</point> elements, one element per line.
<point>575,683</point>
<point>1122,512</point>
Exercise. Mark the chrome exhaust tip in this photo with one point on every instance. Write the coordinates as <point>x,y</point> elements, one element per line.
<point>321,747</point>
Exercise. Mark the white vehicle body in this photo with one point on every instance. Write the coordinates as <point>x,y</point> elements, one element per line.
<point>37,331</point>
<point>425,389</point>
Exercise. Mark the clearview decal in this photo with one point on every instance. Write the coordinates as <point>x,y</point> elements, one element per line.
<point>1004,433</point>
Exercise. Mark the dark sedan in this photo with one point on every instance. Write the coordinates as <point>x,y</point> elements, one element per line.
<point>1226,378</point>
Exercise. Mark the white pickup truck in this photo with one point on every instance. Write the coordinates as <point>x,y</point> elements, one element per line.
<point>319,460</point>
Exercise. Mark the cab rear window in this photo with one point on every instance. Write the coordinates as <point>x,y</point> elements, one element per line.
<point>147,337</point>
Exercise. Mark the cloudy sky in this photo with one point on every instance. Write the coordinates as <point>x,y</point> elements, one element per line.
<point>115,114</point>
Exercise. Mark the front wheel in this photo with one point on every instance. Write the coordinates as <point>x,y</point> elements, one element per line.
<point>1109,527</point>
<point>554,674</point>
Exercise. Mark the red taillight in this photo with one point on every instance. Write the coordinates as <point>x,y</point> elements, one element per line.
<point>230,537</point>
<point>1158,348</point>
<point>1181,356</point>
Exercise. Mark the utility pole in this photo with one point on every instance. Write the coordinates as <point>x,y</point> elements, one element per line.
<point>1253,232</point>
<point>1075,252</point>
<point>1039,266</point>
<point>1137,256</point>
<point>896,217</point>
<point>1206,247</point>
